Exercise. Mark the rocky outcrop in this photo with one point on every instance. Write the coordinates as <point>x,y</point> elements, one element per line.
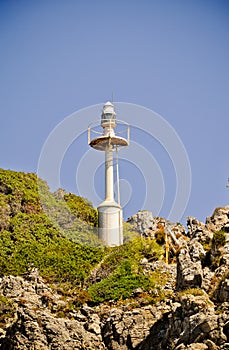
<point>148,225</point>
<point>143,222</point>
<point>195,316</point>
<point>191,321</point>
<point>172,235</point>
<point>184,322</point>
<point>219,220</point>
<point>36,324</point>
<point>189,270</point>
<point>204,258</point>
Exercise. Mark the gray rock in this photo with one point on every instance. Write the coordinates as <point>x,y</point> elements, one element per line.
<point>143,222</point>
<point>189,272</point>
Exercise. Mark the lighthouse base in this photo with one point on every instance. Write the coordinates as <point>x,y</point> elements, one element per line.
<point>110,223</point>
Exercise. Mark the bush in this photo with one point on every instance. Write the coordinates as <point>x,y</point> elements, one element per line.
<point>29,237</point>
<point>42,230</point>
<point>219,239</point>
<point>21,190</point>
<point>82,209</point>
<point>122,272</point>
<point>119,285</point>
<point>41,245</point>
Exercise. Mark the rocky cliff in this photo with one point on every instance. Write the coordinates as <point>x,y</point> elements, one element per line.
<point>194,315</point>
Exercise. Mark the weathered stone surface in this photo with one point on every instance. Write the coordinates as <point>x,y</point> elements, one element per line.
<point>147,225</point>
<point>197,229</point>
<point>219,220</point>
<point>190,323</point>
<point>189,272</point>
<point>35,327</point>
<point>211,345</point>
<point>127,329</point>
<point>143,222</point>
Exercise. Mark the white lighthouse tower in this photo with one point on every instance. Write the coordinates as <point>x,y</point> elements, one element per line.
<point>110,211</point>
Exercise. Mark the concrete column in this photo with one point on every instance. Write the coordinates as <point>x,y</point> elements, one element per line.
<point>109,174</point>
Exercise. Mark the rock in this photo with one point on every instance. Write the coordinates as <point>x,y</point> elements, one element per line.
<point>143,222</point>
<point>93,324</point>
<point>35,327</point>
<point>126,330</point>
<point>219,220</point>
<point>198,230</point>
<point>144,261</point>
<point>211,345</point>
<point>138,291</point>
<point>148,226</point>
<point>189,272</point>
<point>223,291</point>
<point>196,250</point>
<point>197,346</point>
<point>207,278</point>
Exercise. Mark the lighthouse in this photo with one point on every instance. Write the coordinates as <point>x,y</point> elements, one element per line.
<point>110,229</point>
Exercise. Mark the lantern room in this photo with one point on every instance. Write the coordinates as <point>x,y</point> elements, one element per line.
<point>108,117</point>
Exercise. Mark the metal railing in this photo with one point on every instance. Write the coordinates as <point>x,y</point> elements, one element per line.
<point>124,133</point>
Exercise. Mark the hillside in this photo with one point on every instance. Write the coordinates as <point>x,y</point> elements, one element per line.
<point>35,233</point>
<point>62,289</point>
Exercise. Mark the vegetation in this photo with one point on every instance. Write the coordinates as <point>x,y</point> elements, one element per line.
<point>55,234</point>
<point>123,272</point>
<point>219,239</point>
<point>7,309</point>
<point>216,285</point>
<point>82,209</point>
<point>128,232</point>
<point>119,285</point>
<point>160,234</point>
<point>34,231</point>
<point>34,241</point>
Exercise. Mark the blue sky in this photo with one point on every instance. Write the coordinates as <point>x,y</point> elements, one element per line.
<point>169,56</point>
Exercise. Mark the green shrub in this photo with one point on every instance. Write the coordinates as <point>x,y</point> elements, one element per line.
<point>82,209</point>
<point>133,251</point>
<point>119,285</point>
<point>122,271</point>
<point>33,240</point>
<point>219,238</point>
<point>21,190</point>
<point>36,229</point>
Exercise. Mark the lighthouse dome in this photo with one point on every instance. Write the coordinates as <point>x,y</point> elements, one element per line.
<point>108,117</point>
